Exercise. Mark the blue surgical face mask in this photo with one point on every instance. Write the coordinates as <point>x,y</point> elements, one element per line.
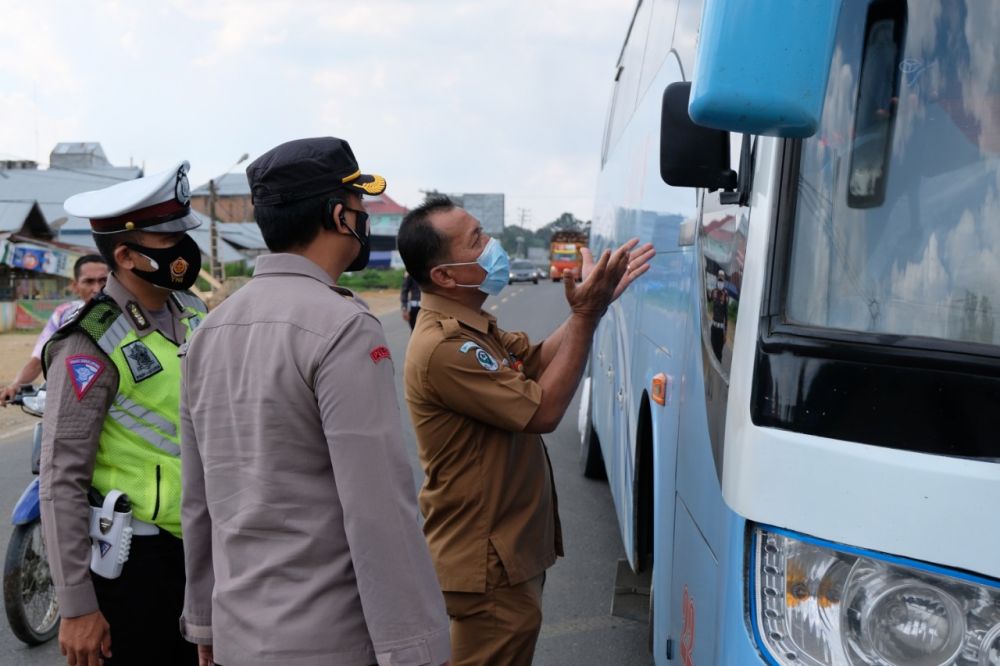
<point>496,263</point>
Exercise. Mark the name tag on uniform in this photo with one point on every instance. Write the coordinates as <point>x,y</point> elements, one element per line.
<point>141,361</point>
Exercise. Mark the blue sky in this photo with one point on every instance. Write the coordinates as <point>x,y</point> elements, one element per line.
<point>480,96</point>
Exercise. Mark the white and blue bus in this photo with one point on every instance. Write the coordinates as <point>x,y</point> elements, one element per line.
<point>798,407</point>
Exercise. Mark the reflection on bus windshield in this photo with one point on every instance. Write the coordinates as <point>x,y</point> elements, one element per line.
<point>918,262</point>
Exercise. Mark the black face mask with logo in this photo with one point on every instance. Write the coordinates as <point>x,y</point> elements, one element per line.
<point>175,267</point>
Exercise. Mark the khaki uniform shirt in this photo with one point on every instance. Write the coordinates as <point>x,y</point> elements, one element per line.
<point>471,391</point>
<point>70,437</point>
<point>300,522</point>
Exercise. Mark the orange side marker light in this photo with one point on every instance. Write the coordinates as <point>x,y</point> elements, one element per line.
<point>660,389</point>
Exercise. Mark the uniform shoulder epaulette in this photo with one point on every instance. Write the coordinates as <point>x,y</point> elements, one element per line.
<point>94,319</point>
<point>185,299</point>
<point>450,327</point>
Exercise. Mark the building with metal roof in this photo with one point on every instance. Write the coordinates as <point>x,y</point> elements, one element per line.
<point>79,155</point>
<point>232,198</point>
<point>77,232</point>
<point>73,168</point>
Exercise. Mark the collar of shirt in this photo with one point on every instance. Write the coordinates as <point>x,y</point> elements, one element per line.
<point>131,306</point>
<point>295,264</point>
<point>474,319</point>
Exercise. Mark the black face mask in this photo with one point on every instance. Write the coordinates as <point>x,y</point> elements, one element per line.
<point>361,223</point>
<point>176,267</point>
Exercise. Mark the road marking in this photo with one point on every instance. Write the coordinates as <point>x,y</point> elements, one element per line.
<point>16,432</point>
<point>493,307</point>
<point>584,625</point>
<point>504,299</point>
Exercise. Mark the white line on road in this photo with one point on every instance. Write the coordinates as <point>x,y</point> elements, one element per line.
<point>15,432</point>
<point>493,307</point>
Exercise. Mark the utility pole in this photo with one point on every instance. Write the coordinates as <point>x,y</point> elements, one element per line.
<point>217,268</point>
<point>213,234</point>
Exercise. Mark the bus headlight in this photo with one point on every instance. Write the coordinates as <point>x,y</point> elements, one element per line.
<point>818,603</point>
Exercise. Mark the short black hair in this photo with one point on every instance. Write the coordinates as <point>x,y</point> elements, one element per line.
<point>418,242</point>
<point>84,260</point>
<point>106,244</point>
<point>295,224</point>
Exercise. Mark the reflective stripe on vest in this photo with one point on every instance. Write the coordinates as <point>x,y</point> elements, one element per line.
<point>149,435</point>
<point>114,335</point>
<point>137,411</point>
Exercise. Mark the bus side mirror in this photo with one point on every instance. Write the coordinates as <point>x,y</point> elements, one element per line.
<point>691,155</point>
<point>762,66</point>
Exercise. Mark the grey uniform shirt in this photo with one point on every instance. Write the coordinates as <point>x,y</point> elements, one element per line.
<point>299,510</point>
<point>70,437</point>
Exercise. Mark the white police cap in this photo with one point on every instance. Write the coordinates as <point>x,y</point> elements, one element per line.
<point>160,203</point>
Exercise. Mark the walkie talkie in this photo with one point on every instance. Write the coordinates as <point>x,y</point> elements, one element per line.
<point>110,532</point>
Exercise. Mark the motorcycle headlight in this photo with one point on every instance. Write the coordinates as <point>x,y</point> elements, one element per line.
<point>818,603</point>
<point>35,403</point>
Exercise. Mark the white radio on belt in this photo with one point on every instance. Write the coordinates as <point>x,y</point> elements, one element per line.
<point>110,534</point>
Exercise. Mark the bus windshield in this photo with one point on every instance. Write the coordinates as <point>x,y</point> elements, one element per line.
<point>897,218</point>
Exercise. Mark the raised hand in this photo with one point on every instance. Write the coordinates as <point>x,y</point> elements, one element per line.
<point>591,298</point>
<point>638,263</point>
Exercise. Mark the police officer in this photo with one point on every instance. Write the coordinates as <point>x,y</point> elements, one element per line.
<point>111,423</point>
<point>719,299</point>
<point>479,398</point>
<point>300,525</point>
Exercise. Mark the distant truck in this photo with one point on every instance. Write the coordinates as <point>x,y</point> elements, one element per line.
<point>564,253</point>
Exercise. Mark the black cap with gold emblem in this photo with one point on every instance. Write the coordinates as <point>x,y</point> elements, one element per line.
<point>307,168</point>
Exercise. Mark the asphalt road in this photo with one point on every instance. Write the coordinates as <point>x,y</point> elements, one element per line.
<point>578,628</point>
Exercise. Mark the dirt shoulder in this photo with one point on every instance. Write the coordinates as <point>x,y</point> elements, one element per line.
<point>15,348</point>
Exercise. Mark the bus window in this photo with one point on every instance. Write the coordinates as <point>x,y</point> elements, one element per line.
<point>921,261</point>
<point>722,242</point>
<point>685,41</point>
<point>627,77</point>
<point>661,32</point>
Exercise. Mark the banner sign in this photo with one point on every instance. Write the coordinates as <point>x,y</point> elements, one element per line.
<point>50,261</point>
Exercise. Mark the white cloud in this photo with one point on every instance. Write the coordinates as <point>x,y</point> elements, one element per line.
<point>489,96</point>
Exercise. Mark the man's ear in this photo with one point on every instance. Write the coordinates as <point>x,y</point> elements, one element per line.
<point>440,278</point>
<point>333,219</point>
<point>124,256</point>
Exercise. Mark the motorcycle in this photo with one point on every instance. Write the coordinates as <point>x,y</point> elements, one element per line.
<point>28,593</point>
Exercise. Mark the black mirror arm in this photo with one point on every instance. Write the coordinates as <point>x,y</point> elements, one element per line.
<point>748,156</point>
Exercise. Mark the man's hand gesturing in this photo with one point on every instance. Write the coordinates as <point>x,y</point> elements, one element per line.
<point>605,280</point>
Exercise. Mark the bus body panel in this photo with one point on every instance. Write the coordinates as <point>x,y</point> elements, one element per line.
<point>696,573</point>
<point>708,488</point>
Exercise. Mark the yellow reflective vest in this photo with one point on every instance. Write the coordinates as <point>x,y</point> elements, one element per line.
<point>139,449</point>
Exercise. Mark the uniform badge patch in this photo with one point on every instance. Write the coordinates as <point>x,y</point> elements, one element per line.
<point>487,361</point>
<point>83,372</point>
<point>141,361</point>
<point>482,356</point>
<point>135,313</point>
<point>380,353</point>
